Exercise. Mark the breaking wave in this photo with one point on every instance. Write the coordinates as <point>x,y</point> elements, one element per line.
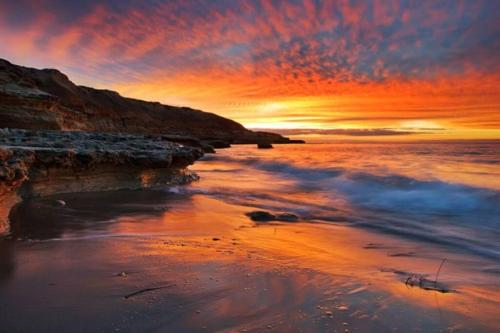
<point>430,210</point>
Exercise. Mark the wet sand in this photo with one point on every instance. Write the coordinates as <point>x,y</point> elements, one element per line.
<point>148,261</point>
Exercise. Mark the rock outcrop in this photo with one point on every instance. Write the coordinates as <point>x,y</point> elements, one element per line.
<point>38,163</point>
<point>264,145</point>
<point>46,99</point>
<point>263,216</point>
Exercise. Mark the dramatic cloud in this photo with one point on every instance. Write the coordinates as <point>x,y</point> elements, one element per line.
<point>304,63</point>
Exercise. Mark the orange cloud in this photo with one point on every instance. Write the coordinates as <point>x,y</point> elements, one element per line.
<point>363,64</point>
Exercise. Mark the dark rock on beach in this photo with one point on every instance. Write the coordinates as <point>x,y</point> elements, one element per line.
<point>263,216</point>
<point>287,217</point>
<point>264,145</point>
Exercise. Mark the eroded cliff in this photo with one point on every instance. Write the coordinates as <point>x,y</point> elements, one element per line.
<point>46,99</point>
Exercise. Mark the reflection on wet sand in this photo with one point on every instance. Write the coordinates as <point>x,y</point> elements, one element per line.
<point>218,271</point>
<point>45,219</point>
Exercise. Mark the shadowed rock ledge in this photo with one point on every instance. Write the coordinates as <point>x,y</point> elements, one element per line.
<point>39,163</point>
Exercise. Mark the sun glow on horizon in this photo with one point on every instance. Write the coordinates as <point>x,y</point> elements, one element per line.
<point>306,64</point>
<point>420,124</point>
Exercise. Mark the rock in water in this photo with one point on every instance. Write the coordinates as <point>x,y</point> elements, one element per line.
<point>261,216</point>
<point>287,217</point>
<point>264,145</point>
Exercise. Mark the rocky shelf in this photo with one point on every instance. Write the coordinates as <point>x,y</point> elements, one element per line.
<point>38,163</point>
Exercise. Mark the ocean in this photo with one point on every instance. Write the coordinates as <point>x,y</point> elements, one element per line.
<point>390,237</point>
<point>440,193</point>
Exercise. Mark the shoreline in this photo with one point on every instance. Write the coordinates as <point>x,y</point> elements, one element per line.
<point>222,272</point>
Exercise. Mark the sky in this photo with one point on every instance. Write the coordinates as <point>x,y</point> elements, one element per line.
<point>352,68</point>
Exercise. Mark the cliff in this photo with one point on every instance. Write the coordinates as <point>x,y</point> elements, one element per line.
<point>46,99</point>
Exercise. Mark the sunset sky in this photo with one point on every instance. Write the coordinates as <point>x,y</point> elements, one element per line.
<point>355,68</point>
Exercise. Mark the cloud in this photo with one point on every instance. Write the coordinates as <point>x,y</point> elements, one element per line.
<point>345,131</point>
<point>373,60</point>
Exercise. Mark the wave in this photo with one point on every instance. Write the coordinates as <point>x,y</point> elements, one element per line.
<point>429,210</point>
<point>390,192</point>
<point>402,194</point>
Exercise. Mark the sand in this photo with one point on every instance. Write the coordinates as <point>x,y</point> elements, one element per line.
<point>146,261</point>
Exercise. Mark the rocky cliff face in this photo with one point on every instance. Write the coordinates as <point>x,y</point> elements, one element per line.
<point>47,99</point>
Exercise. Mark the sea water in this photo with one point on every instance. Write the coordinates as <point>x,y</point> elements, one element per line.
<point>444,193</point>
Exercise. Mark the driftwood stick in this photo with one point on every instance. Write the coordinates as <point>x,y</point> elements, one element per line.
<point>145,290</point>
<point>439,271</point>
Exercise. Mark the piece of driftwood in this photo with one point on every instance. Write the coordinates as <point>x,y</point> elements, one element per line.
<point>423,282</point>
<point>145,290</point>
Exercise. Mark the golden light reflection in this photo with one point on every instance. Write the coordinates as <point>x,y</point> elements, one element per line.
<point>339,252</point>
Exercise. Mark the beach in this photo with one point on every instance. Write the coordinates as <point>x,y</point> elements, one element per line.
<point>189,259</point>
<point>249,166</point>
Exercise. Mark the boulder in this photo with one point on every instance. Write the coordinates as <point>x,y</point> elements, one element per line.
<point>261,216</point>
<point>287,217</point>
<point>264,145</point>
